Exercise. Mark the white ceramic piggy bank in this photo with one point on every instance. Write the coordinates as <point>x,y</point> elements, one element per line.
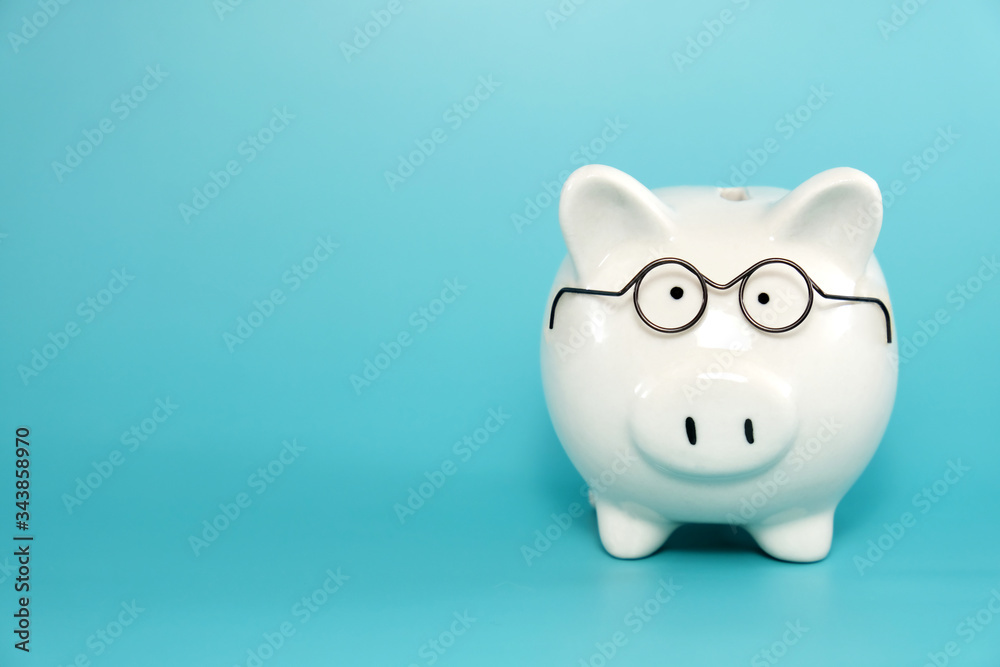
<point>719,355</point>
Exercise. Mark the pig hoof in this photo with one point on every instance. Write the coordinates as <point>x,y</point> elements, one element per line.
<point>804,540</point>
<point>625,535</point>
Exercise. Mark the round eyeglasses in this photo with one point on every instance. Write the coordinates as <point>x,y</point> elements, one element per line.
<point>671,295</point>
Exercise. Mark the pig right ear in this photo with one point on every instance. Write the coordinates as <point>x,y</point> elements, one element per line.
<point>606,214</point>
<point>838,210</point>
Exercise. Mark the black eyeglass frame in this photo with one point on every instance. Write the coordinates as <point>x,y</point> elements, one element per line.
<point>704,282</point>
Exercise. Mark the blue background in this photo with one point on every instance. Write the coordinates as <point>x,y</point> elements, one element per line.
<point>323,175</point>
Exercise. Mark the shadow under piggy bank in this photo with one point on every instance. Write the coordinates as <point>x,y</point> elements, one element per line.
<point>707,537</point>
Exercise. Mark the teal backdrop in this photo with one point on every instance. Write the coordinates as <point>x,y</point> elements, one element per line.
<point>272,279</point>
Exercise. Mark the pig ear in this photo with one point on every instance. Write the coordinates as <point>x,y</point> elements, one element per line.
<point>606,214</point>
<point>839,210</point>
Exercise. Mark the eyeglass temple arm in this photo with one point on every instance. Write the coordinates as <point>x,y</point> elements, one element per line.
<point>868,299</point>
<point>578,290</point>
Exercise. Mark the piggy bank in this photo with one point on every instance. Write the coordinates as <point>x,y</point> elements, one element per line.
<point>719,355</point>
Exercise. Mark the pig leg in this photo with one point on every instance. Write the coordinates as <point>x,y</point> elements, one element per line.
<point>633,533</point>
<point>800,540</point>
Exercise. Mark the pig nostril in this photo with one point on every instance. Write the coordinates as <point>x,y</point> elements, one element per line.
<point>689,425</point>
<point>748,430</point>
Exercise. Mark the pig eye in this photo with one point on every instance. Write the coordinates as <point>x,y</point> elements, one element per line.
<point>776,296</point>
<point>670,296</point>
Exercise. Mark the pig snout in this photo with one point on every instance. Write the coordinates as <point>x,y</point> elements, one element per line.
<point>714,425</point>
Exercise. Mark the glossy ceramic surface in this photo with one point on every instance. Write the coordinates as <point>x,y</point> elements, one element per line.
<point>728,419</point>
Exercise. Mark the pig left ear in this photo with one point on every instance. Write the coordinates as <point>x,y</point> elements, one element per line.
<point>606,215</point>
<point>839,210</point>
